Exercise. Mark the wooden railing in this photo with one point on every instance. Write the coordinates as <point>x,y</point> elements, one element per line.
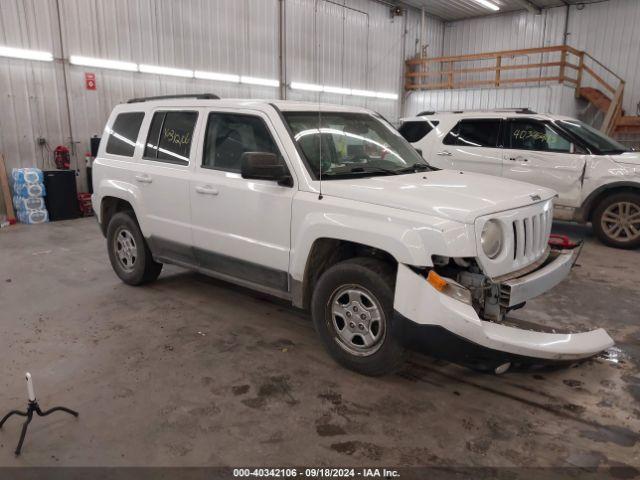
<point>556,64</point>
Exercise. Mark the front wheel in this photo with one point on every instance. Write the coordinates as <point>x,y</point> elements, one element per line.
<point>352,310</point>
<point>616,220</point>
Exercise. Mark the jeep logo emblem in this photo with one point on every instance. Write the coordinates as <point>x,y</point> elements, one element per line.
<point>535,197</point>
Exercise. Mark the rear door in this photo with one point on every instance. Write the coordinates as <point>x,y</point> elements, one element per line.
<point>538,153</point>
<point>241,227</point>
<point>472,145</point>
<point>164,175</point>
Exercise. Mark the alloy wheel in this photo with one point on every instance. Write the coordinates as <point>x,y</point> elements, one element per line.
<point>621,221</point>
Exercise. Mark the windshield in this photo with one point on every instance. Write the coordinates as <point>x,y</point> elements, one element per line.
<point>348,144</point>
<point>592,137</point>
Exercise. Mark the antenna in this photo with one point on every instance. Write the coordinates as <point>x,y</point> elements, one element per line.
<point>315,33</point>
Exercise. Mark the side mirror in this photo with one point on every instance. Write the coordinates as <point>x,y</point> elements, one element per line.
<point>264,166</point>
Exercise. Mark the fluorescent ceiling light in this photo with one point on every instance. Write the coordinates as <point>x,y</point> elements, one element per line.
<point>175,72</point>
<point>488,4</point>
<point>221,77</point>
<point>390,96</point>
<point>26,54</point>
<point>259,81</point>
<point>363,93</point>
<point>101,63</point>
<point>312,87</point>
<point>337,90</point>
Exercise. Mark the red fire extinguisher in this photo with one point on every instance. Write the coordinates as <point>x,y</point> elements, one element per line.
<point>62,157</point>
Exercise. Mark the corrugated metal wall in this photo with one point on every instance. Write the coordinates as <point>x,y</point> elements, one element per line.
<point>234,36</point>
<point>610,32</point>
<point>432,37</point>
<point>361,46</point>
<point>30,102</point>
<point>551,98</point>
<point>499,32</point>
<point>355,44</point>
<point>607,30</point>
<point>505,32</point>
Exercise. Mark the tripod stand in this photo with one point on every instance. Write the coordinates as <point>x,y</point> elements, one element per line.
<point>32,407</point>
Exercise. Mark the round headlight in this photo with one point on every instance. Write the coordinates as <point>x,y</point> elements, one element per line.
<point>491,239</point>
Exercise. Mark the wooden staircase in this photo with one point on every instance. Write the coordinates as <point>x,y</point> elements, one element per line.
<point>549,64</point>
<point>595,97</point>
<point>622,123</point>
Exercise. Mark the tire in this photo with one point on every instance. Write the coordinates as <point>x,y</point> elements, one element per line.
<point>366,287</point>
<point>623,232</point>
<point>129,253</point>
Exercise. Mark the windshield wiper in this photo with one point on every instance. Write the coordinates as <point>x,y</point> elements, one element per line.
<point>360,171</point>
<point>373,170</point>
<point>416,167</point>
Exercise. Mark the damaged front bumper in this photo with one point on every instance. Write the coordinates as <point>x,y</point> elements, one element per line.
<point>518,290</point>
<point>429,320</point>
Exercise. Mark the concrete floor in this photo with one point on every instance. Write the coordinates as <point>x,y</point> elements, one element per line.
<point>193,371</point>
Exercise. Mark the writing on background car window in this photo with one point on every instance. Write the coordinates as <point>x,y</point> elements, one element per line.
<point>535,135</point>
<point>177,138</point>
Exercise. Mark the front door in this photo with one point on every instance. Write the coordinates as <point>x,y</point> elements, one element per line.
<point>241,228</point>
<point>473,145</point>
<point>536,152</point>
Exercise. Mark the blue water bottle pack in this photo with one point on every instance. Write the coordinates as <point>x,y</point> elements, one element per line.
<point>28,195</point>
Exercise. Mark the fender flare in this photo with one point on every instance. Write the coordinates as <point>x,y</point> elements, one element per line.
<point>403,243</point>
<point>123,191</point>
<point>584,212</point>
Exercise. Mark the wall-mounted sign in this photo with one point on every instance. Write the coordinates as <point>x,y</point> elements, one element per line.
<point>90,81</point>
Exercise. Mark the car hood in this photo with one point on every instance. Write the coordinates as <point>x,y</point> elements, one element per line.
<point>631,158</point>
<point>448,194</point>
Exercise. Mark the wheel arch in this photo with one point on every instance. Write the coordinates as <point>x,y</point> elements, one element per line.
<point>109,206</point>
<point>326,252</point>
<point>591,203</point>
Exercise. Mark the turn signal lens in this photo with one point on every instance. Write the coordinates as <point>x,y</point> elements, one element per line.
<point>436,281</point>
<point>450,288</point>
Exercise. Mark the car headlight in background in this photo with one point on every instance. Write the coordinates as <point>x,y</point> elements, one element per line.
<point>491,239</point>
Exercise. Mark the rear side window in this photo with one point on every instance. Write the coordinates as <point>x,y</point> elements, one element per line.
<point>475,133</point>
<point>414,131</point>
<point>124,133</point>
<point>170,137</point>
<point>230,135</point>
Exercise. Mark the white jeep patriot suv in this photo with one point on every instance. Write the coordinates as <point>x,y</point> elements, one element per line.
<point>596,178</point>
<point>330,208</point>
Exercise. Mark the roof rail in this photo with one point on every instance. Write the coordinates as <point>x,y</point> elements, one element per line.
<point>198,96</point>
<point>525,110</point>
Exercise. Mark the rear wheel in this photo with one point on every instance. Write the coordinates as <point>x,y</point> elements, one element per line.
<point>129,254</point>
<point>352,310</point>
<point>616,220</point>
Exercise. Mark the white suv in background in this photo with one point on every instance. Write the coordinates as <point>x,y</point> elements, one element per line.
<point>596,178</point>
<point>330,208</point>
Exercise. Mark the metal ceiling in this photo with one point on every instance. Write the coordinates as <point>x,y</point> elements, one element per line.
<point>451,10</point>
